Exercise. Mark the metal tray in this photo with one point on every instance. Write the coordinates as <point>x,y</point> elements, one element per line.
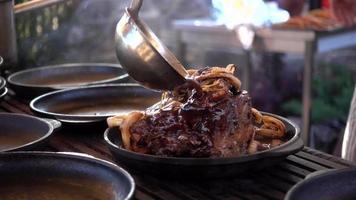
<point>328,185</point>
<point>175,167</point>
<point>69,176</point>
<point>33,82</point>
<point>93,103</point>
<point>21,132</point>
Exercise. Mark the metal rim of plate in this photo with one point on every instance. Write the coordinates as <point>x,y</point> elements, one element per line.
<point>12,82</point>
<point>2,82</point>
<point>330,176</point>
<point>52,126</point>
<point>202,168</point>
<point>77,118</point>
<point>4,92</point>
<point>77,156</point>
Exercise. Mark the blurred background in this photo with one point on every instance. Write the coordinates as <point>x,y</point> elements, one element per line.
<point>83,31</point>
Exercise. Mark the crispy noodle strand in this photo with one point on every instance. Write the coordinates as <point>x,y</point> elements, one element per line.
<point>124,122</point>
<point>271,127</point>
<point>221,73</point>
<point>257,116</point>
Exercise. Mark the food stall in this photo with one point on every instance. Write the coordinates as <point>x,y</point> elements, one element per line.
<point>95,130</point>
<point>308,43</point>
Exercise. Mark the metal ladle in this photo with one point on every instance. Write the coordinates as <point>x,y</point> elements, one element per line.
<point>143,55</point>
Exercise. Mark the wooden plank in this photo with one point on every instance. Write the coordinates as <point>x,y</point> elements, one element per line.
<point>179,188</point>
<point>19,105</point>
<point>273,182</point>
<point>139,195</point>
<point>218,188</point>
<point>301,172</point>
<point>319,160</point>
<point>10,108</point>
<point>305,163</point>
<point>100,148</point>
<point>191,192</point>
<point>285,175</point>
<point>329,157</point>
<point>63,146</point>
<point>239,189</point>
<point>147,192</point>
<point>154,190</point>
<point>269,188</point>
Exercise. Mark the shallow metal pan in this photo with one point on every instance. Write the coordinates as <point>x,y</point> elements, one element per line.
<point>93,103</point>
<point>69,176</point>
<point>174,167</point>
<point>327,185</point>
<point>20,132</point>
<point>33,82</point>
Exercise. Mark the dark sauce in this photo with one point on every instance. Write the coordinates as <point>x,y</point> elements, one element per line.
<point>204,123</point>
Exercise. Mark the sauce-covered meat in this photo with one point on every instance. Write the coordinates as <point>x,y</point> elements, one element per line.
<point>208,116</point>
<point>203,123</point>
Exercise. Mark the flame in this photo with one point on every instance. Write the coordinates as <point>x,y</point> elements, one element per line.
<point>252,12</point>
<point>243,15</point>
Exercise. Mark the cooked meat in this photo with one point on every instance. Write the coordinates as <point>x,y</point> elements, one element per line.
<point>215,122</point>
<point>208,116</point>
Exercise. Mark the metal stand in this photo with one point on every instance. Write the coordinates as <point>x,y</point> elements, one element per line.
<point>307,88</point>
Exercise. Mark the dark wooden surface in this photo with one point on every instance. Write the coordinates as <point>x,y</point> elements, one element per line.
<point>271,183</point>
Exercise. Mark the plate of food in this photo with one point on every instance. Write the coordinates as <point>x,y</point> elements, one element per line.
<point>58,175</point>
<point>30,83</point>
<point>206,127</point>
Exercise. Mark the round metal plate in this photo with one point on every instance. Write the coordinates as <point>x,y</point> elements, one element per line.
<point>2,83</point>
<point>94,103</point>
<point>181,167</point>
<point>70,176</point>
<point>330,185</point>
<point>21,132</point>
<point>37,81</point>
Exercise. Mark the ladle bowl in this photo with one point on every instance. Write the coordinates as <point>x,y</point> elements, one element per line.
<point>143,55</point>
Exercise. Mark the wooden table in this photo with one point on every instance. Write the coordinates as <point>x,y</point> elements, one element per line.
<point>208,34</point>
<point>271,183</point>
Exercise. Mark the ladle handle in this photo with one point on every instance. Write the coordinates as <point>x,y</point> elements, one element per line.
<point>135,7</point>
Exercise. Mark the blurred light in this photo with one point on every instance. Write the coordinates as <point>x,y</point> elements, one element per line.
<point>243,15</point>
<point>252,12</point>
